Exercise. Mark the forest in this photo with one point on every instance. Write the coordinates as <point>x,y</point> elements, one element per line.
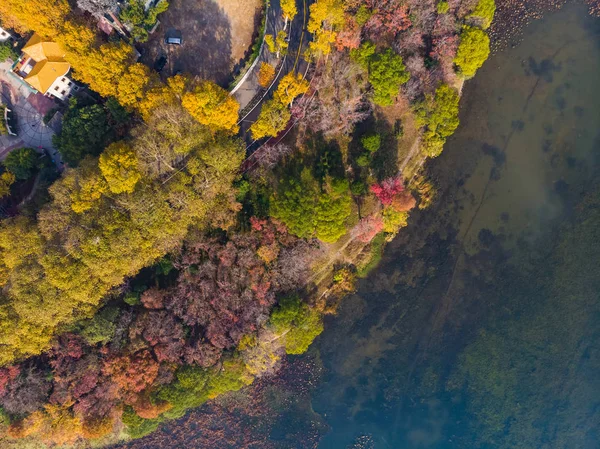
<point>165,266</point>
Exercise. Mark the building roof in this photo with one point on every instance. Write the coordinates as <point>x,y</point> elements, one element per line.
<point>50,63</point>
<point>45,73</point>
<point>38,50</point>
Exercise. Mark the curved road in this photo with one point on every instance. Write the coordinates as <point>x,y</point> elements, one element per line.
<point>250,95</point>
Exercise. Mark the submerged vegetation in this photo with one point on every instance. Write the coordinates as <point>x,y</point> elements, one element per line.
<point>166,267</point>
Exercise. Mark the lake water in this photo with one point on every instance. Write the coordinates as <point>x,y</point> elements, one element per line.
<point>481,326</point>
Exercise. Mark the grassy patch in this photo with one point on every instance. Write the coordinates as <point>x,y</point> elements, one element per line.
<point>375,255</point>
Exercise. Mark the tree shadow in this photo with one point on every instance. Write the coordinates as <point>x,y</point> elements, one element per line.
<point>206,48</point>
<point>384,162</point>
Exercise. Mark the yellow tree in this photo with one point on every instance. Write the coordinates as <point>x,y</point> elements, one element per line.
<point>326,19</point>
<point>273,118</point>
<point>6,180</point>
<point>266,74</point>
<point>163,95</point>
<point>212,106</point>
<point>289,10</point>
<point>119,166</point>
<point>290,86</point>
<point>133,85</point>
<point>45,17</point>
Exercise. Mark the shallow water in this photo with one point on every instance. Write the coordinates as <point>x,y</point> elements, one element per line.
<point>481,326</point>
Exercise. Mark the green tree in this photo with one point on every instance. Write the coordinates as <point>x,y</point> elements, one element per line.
<point>363,54</point>
<point>442,7</point>
<point>22,162</point>
<point>386,74</point>
<point>297,323</point>
<point>310,211</point>
<point>439,115</point>
<point>473,50</point>
<point>85,130</point>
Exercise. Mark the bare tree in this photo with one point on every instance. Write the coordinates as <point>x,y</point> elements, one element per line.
<point>98,8</point>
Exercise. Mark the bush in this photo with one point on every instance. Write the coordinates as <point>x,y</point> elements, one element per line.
<point>7,51</point>
<point>473,50</point>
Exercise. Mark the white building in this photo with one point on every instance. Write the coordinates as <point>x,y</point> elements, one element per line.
<point>5,35</point>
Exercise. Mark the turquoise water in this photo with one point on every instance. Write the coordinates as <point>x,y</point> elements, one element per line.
<point>481,326</point>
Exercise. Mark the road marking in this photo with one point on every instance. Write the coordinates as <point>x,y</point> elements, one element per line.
<point>301,37</point>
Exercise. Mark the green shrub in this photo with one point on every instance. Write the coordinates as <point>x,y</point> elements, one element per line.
<point>7,51</point>
<point>473,50</point>
<point>443,7</point>
<point>371,142</point>
<point>364,159</point>
<point>362,16</point>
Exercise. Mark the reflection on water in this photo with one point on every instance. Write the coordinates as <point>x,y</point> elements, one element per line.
<point>480,329</point>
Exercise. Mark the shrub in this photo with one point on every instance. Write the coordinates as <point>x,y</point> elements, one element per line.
<point>7,51</point>
<point>371,142</point>
<point>473,50</point>
<point>443,7</point>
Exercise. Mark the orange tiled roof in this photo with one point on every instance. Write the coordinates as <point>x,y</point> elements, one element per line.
<point>50,63</point>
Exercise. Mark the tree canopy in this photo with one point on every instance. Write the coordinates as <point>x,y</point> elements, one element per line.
<point>439,114</point>
<point>85,131</point>
<point>212,106</point>
<point>473,50</point>
<point>311,211</point>
<point>22,162</point>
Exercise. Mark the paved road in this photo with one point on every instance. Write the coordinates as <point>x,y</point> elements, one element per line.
<point>250,95</point>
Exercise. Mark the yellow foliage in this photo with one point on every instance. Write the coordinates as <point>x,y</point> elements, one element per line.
<point>45,17</point>
<point>266,74</point>
<point>161,95</point>
<point>119,166</point>
<point>273,118</point>
<point>288,7</point>
<point>212,106</point>
<point>133,84</point>
<point>6,180</point>
<point>290,86</point>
